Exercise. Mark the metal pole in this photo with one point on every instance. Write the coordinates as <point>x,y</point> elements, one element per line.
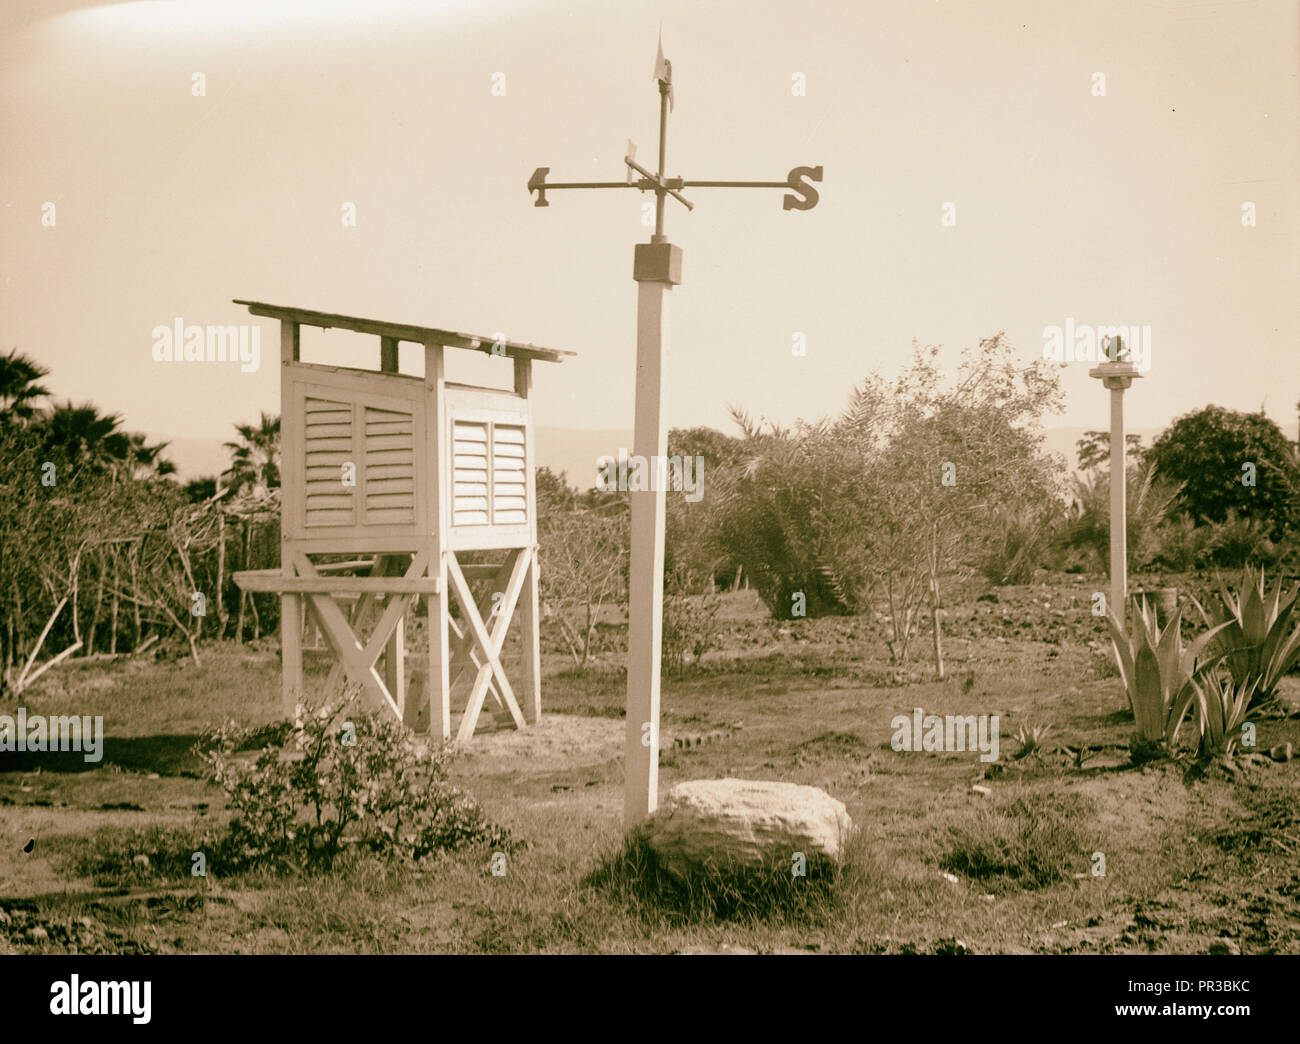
<point>663,155</point>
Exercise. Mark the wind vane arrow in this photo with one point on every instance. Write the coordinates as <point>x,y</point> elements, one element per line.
<point>799,181</point>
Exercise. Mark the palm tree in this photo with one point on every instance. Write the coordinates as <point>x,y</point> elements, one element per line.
<point>18,387</point>
<point>255,458</point>
<point>85,436</point>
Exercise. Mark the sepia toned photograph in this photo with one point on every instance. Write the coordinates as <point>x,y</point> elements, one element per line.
<point>548,477</point>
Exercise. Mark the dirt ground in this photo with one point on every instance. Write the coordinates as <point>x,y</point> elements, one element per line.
<point>1191,864</point>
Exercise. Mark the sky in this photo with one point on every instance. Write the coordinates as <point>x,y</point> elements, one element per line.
<point>1115,208</point>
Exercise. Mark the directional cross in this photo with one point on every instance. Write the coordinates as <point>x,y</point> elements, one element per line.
<point>657,268</point>
<point>797,181</point>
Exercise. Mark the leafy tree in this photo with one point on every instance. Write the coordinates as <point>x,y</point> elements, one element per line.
<point>928,473</point>
<point>554,494</point>
<point>1206,450</point>
<point>1093,449</point>
<point>583,556</point>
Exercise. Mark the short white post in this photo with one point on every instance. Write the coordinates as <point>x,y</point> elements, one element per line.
<point>656,268</point>
<point>1117,377</point>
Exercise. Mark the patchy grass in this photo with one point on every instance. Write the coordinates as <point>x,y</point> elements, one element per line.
<point>634,880</point>
<point>1031,842</point>
<point>809,701</point>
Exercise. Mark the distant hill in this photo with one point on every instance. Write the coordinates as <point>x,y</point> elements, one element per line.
<point>573,451</point>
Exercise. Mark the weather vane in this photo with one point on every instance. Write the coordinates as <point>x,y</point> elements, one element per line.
<point>798,181</point>
<point>657,268</point>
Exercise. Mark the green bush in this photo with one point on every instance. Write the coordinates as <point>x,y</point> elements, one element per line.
<point>336,781</point>
<point>1181,545</point>
<point>1237,540</point>
<point>1150,500</point>
<point>1017,546</point>
<point>770,518</point>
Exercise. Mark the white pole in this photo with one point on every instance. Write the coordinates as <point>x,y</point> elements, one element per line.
<point>1118,504</point>
<point>1117,376</point>
<point>657,268</point>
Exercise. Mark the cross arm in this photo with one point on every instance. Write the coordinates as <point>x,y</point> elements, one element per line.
<point>798,181</point>
<point>648,182</point>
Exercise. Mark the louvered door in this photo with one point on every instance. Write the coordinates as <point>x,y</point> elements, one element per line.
<point>489,465</point>
<point>388,459</point>
<point>358,483</point>
<point>328,429</point>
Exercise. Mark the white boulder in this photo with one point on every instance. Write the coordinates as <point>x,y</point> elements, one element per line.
<point>746,824</point>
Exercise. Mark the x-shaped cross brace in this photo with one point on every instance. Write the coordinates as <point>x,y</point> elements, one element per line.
<point>483,644</point>
<point>357,659</point>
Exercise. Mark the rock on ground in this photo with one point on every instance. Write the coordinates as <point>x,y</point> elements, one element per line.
<point>746,824</point>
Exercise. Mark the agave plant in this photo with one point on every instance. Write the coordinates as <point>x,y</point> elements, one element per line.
<point>1223,707</point>
<point>1159,674</point>
<point>1030,740</point>
<point>1252,634</point>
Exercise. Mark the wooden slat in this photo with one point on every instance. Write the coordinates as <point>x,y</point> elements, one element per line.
<point>390,487</point>
<point>274,581</point>
<point>375,472</point>
<point>380,443</point>
<point>399,456</point>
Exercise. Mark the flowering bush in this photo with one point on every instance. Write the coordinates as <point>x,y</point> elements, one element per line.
<point>333,781</point>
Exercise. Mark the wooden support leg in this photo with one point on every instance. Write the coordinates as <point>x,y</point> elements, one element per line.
<point>395,665</point>
<point>290,652</point>
<point>438,682</point>
<point>530,689</point>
